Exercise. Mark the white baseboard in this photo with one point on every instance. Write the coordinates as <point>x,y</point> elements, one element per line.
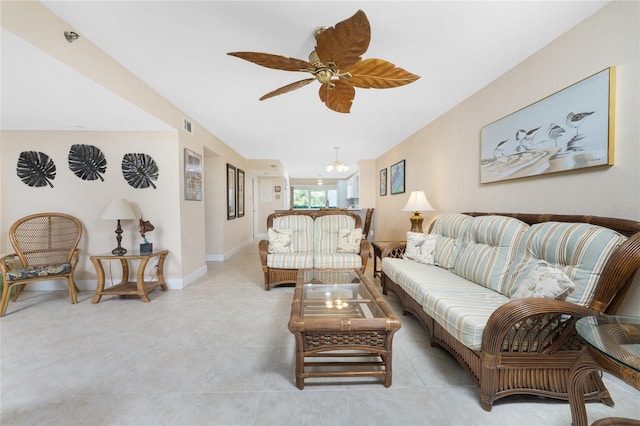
<point>83,285</point>
<point>227,254</point>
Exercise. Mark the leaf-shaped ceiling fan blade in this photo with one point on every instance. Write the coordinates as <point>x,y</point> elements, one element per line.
<point>379,74</point>
<point>339,97</point>
<point>287,88</point>
<point>277,62</point>
<point>345,43</point>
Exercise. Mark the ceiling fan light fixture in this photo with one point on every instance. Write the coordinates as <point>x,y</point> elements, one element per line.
<point>337,64</point>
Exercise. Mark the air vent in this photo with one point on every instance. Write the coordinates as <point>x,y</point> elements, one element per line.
<point>187,126</point>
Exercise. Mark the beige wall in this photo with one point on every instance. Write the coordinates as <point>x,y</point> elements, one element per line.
<point>269,200</point>
<point>199,226</point>
<point>443,158</point>
<point>87,199</point>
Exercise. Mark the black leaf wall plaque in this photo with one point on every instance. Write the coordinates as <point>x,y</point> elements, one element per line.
<point>36,168</point>
<point>87,162</point>
<point>139,170</point>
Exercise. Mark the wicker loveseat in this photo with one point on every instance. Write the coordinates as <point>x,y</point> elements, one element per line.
<point>314,244</point>
<point>522,345</point>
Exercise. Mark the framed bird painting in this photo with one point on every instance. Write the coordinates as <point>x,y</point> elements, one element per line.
<point>570,129</point>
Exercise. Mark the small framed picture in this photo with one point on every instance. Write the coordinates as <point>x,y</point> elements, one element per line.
<point>192,175</point>
<point>231,192</point>
<point>383,181</point>
<point>240,192</point>
<point>397,178</point>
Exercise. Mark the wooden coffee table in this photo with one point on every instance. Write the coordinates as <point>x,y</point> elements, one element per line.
<point>342,327</point>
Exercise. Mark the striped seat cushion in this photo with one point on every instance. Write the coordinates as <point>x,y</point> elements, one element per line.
<point>325,232</point>
<point>580,250</point>
<point>337,260</point>
<point>302,227</point>
<point>451,228</point>
<point>489,246</point>
<point>463,310</point>
<point>418,278</point>
<point>290,260</point>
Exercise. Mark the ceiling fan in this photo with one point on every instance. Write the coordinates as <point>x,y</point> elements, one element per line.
<point>337,64</point>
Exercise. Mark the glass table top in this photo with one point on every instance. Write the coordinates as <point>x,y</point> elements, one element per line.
<point>337,293</point>
<point>617,337</point>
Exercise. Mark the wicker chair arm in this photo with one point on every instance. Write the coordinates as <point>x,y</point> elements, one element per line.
<point>263,250</point>
<point>534,325</point>
<point>395,249</point>
<point>5,262</point>
<point>365,250</point>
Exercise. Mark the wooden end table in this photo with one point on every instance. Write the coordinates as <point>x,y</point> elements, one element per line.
<point>342,327</point>
<point>378,246</point>
<point>139,287</point>
<point>613,345</point>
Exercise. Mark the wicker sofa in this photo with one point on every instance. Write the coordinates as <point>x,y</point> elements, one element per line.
<point>314,244</point>
<point>462,295</point>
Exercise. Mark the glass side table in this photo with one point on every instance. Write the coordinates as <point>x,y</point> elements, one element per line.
<point>613,345</point>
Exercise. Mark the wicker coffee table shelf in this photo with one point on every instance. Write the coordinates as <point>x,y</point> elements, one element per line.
<point>342,327</point>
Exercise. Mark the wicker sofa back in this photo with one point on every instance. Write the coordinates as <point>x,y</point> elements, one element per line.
<point>523,346</point>
<point>314,244</point>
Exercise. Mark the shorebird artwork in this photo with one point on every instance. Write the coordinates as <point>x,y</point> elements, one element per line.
<point>531,134</point>
<point>555,132</point>
<point>523,136</point>
<point>573,120</point>
<point>498,151</point>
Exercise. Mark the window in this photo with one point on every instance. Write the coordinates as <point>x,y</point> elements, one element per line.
<point>314,198</point>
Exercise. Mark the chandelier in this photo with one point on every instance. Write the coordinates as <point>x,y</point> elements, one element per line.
<point>337,165</point>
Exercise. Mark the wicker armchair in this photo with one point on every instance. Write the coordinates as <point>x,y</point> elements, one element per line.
<point>45,247</point>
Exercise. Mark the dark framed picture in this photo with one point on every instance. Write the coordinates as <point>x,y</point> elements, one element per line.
<point>192,175</point>
<point>383,181</point>
<point>240,193</point>
<point>231,192</point>
<point>397,178</point>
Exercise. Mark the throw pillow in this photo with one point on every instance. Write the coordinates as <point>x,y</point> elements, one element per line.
<point>280,240</point>
<point>543,280</point>
<point>420,247</point>
<point>425,253</point>
<point>349,240</point>
<point>415,240</point>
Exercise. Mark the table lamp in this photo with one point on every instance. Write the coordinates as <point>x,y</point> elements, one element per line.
<point>417,203</point>
<point>118,209</point>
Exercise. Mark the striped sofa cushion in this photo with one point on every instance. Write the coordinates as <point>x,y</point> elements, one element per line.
<point>337,260</point>
<point>302,227</point>
<point>418,278</point>
<point>290,260</point>
<point>580,250</point>
<point>325,232</point>
<point>463,310</point>
<point>451,228</point>
<point>489,246</point>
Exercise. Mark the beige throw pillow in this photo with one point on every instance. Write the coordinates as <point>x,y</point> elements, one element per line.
<point>349,240</point>
<point>543,280</point>
<point>280,240</point>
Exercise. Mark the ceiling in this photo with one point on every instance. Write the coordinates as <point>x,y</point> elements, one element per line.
<point>179,48</point>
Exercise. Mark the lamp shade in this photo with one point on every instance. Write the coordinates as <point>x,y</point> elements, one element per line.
<point>417,203</point>
<point>118,208</point>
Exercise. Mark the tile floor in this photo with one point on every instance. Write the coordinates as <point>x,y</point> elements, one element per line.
<point>219,352</point>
